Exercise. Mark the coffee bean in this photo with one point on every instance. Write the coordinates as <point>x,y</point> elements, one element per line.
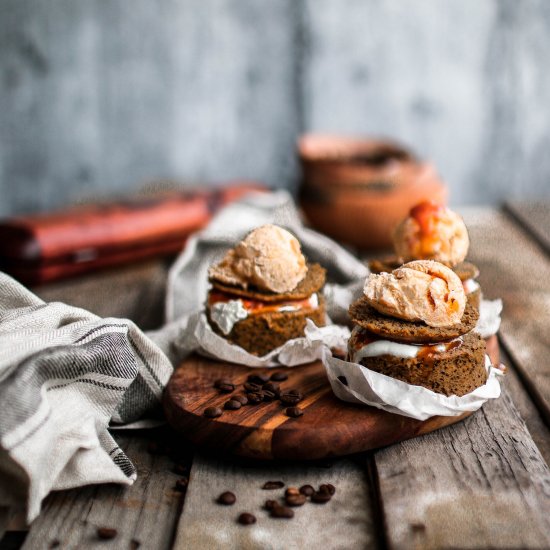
<point>282,512</point>
<point>226,388</point>
<point>258,378</point>
<point>242,399</point>
<point>270,504</point>
<point>320,498</point>
<point>232,405</point>
<point>222,382</point>
<point>296,392</point>
<point>181,484</point>
<point>294,412</point>
<point>106,533</point>
<point>212,412</point>
<point>134,544</point>
<point>270,485</point>
<point>55,543</point>
<point>255,398</point>
<point>289,399</point>
<point>246,519</point>
<point>292,491</point>
<point>295,500</point>
<point>307,490</point>
<point>271,386</point>
<point>343,379</point>
<point>227,498</point>
<point>279,377</point>
<point>251,387</point>
<point>269,396</point>
<point>327,488</point>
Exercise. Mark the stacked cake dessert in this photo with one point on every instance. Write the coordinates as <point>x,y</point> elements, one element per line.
<point>416,325</point>
<point>434,232</point>
<point>263,291</point>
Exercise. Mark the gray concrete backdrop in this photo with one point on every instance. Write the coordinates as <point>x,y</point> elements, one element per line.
<point>103,96</point>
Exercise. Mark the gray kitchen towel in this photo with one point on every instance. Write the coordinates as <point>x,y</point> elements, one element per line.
<point>65,374</point>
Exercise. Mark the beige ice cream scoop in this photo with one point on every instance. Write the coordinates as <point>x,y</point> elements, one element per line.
<point>268,258</point>
<point>432,232</point>
<point>422,290</point>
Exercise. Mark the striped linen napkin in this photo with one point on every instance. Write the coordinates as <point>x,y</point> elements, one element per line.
<point>65,374</point>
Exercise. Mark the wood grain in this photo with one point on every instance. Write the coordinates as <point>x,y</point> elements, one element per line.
<point>479,484</point>
<point>347,521</point>
<point>534,217</point>
<point>329,427</point>
<point>144,514</point>
<point>514,268</point>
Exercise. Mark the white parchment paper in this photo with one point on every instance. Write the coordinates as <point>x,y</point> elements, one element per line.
<point>199,337</point>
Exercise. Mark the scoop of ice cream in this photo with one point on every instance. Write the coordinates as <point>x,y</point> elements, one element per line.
<point>268,258</point>
<point>418,291</point>
<point>432,232</point>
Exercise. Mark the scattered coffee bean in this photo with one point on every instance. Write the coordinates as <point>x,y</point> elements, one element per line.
<point>269,396</point>
<point>134,544</point>
<point>227,498</point>
<point>246,519</point>
<point>327,488</point>
<point>232,405</point>
<point>289,399</point>
<point>307,490</point>
<point>292,491</point>
<point>283,512</point>
<point>242,399</point>
<point>258,378</point>
<point>296,392</point>
<point>279,377</point>
<point>255,398</point>
<point>226,388</point>
<point>270,504</point>
<point>320,498</point>
<point>343,379</point>
<point>270,485</point>
<point>212,412</point>
<point>251,387</point>
<point>272,386</point>
<point>294,412</point>
<point>55,543</point>
<point>181,484</point>
<point>106,533</point>
<point>222,382</point>
<point>295,500</point>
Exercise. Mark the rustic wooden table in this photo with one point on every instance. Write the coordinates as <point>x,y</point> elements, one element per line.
<point>483,483</point>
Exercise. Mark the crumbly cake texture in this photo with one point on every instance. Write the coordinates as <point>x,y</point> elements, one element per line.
<point>464,270</point>
<point>416,332</point>
<point>312,282</point>
<point>474,298</point>
<point>263,332</point>
<point>457,371</point>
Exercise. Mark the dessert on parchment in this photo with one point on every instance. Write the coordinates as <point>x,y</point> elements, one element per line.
<point>415,324</point>
<point>433,232</point>
<point>263,290</point>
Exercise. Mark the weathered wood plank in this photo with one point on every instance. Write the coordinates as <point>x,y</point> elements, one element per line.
<point>479,484</point>
<point>144,514</point>
<point>534,217</point>
<point>515,268</point>
<point>460,81</point>
<point>347,521</point>
<point>134,292</point>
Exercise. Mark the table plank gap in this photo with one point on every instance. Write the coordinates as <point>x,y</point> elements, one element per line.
<point>534,218</point>
<point>479,483</point>
<point>514,267</point>
<point>144,513</point>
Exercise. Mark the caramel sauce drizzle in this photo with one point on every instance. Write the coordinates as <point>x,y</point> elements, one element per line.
<point>255,307</point>
<point>426,214</point>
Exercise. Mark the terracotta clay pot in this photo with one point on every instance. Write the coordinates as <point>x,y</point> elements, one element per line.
<point>358,190</point>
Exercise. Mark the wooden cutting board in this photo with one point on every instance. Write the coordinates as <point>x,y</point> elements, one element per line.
<point>329,427</point>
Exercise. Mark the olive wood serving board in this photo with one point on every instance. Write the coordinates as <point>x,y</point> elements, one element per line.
<point>329,427</point>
